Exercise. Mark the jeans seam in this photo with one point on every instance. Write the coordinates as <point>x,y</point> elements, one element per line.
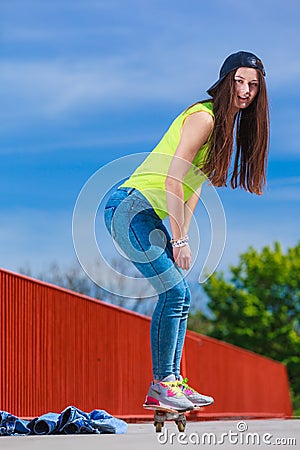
<point>159,328</point>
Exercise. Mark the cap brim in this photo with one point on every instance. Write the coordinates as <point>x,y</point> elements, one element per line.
<point>211,90</point>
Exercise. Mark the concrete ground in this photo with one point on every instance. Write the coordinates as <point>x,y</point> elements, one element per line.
<point>225,434</point>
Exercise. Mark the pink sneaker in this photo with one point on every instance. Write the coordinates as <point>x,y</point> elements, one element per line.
<point>167,394</point>
<point>192,395</point>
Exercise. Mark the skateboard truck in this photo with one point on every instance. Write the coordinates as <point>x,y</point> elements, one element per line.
<point>160,417</point>
<point>162,414</point>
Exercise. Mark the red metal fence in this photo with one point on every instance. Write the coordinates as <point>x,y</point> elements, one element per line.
<point>60,348</point>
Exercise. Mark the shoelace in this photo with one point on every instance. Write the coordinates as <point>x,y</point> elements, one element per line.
<point>183,383</point>
<point>173,386</point>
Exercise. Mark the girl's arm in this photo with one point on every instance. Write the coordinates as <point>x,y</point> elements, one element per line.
<point>189,208</point>
<point>195,133</point>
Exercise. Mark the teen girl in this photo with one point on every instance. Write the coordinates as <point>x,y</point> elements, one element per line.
<point>168,183</point>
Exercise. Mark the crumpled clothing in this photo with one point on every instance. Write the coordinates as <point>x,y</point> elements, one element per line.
<point>70,421</point>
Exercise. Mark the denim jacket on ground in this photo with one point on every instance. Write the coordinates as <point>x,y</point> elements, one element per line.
<point>70,421</point>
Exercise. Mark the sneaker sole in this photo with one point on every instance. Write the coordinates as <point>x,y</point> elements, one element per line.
<point>167,408</point>
<point>203,404</point>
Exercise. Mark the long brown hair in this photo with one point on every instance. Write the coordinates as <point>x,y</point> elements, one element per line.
<point>252,139</point>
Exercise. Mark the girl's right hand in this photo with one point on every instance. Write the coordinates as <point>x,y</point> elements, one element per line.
<point>183,256</point>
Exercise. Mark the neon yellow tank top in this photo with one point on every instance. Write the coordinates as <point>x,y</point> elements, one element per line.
<point>149,178</point>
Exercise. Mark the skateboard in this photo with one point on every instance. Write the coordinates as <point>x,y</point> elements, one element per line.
<point>161,414</point>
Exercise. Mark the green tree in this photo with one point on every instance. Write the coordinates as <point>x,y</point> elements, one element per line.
<point>258,306</point>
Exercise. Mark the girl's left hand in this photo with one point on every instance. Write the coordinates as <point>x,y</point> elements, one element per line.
<point>183,256</point>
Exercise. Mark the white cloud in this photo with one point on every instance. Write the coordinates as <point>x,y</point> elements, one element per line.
<point>116,59</point>
<point>34,237</point>
<point>53,88</point>
<point>35,90</point>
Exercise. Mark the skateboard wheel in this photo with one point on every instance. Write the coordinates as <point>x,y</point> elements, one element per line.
<point>158,426</point>
<point>180,426</point>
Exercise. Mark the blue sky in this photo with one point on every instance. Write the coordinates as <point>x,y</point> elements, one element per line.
<point>86,82</point>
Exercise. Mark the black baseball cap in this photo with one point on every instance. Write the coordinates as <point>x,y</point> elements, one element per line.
<point>234,61</point>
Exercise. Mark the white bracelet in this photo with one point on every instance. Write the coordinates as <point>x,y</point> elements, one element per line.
<point>180,242</point>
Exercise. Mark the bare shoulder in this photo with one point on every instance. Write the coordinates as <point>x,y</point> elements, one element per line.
<point>200,118</point>
<point>199,125</point>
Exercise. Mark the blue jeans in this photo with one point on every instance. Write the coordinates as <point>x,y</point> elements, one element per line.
<point>142,236</point>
